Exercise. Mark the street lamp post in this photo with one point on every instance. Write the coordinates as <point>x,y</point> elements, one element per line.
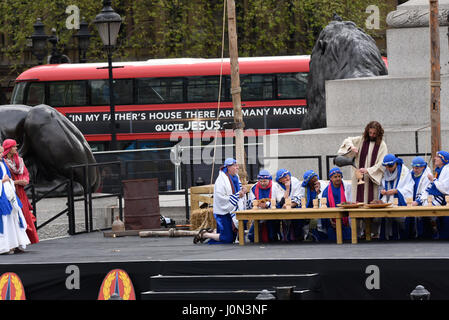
<point>39,41</point>
<point>108,25</point>
<point>39,44</point>
<point>83,36</point>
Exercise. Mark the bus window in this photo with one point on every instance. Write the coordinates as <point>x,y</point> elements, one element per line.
<point>67,93</point>
<point>257,86</point>
<point>36,94</point>
<point>159,90</point>
<point>123,91</point>
<point>292,85</point>
<point>19,93</point>
<point>205,89</point>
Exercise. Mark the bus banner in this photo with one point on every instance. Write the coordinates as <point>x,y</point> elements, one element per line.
<point>165,121</point>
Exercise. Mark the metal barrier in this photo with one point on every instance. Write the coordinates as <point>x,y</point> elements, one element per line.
<point>35,200</point>
<point>87,196</point>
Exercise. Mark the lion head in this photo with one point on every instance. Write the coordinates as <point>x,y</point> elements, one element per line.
<point>341,51</point>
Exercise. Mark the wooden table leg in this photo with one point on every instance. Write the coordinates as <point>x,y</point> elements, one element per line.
<point>256,231</point>
<point>338,230</point>
<point>368,229</point>
<point>354,230</point>
<point>241,233</point>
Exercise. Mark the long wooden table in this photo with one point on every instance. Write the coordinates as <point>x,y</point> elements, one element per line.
<point>288,214</point>
<point>391,212</point>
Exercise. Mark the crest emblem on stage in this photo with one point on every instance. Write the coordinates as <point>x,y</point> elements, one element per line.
<point>117,285</point>
<point>11,287</point>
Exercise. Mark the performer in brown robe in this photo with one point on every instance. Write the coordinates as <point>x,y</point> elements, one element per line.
<point>369,150</point>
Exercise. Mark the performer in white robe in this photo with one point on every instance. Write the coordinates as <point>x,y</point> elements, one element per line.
<point>13,237</point>
<point>229,196</point>
<point>368,151</point>
<point>419,182</point>
<point>438,189</point>
<point>287,187</point>
<point>396,183</point>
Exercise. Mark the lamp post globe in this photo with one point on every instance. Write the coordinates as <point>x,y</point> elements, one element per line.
<point>108,24</point>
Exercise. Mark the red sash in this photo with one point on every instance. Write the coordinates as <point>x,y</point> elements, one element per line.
<point>256,190</point>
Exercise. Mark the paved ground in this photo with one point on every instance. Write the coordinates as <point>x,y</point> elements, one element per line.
<point>171,206</point>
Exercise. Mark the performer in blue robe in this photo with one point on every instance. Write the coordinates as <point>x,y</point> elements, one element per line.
<point>262,189</point>
<point>340,192</point>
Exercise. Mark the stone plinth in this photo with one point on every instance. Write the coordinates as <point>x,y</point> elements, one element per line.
<point>393,101</point>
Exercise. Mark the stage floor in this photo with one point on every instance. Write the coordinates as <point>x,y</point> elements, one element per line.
<point>94,247</point>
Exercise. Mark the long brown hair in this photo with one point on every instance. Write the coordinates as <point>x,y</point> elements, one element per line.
<point>379,130</point>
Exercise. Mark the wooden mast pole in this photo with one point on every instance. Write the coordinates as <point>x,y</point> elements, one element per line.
<point>235,92</point>
<point>435,81</point>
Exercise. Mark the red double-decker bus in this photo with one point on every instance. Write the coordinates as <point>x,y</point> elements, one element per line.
<point>157,97</point>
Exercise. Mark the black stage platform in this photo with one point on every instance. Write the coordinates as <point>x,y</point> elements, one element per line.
<point>175,268</point>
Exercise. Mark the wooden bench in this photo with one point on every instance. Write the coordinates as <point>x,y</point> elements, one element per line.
<point>391,212</point>
<point>288,214</point>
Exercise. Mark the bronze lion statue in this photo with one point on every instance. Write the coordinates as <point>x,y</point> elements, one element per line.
<point>341,51</point>
<point>49,144</point>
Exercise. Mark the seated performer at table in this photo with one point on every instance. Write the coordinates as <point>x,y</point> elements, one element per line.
<point>229,196</point>
<point>311,189</point>
<point>438,189</point>
<point>286,193</point>
<point>396,183</point>
<point>420,182</point>
<point>262,190</point>
<point>13,237</point>
<point>336,192</point>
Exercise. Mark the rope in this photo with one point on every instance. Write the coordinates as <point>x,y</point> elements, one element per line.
<point>219,90</point>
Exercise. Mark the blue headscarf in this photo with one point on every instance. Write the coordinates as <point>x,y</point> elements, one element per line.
<point>310,193</point>
<point>391,159</point>
<point>264,174</point>
<point>418,162</point>
<point>280,174</point>
<point>335,171</point>
<point>307,176</point>
<point>230,162</point>
<point>233,179</point>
